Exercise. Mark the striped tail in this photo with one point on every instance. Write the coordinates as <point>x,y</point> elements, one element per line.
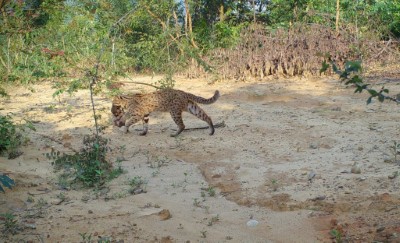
<point>202,100</point>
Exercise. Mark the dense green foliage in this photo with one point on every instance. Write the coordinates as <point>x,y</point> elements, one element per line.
<point>43,39</point>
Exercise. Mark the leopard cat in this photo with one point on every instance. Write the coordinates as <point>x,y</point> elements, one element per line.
<point>129,109</point>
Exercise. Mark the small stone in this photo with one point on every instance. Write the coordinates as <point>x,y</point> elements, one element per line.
<point>30,226</point>
<point>124,129</point>
<point>252,223</point>
<point>326,146</point>
<point>90,211</point>
<point>355,169</point>
<point>387,160</point>
<point>319,198</point>
<point>362,178</point>
<point>311,175</point>
<point>56,201</point>
<point>137,190</point>
<point>380,229</point>
<point>164,214</point>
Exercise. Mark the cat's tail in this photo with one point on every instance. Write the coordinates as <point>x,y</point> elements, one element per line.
<point>202,100</point>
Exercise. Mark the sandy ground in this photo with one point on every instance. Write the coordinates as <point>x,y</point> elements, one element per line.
<point>279,171</point>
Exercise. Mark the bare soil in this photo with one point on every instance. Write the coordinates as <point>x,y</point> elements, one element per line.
<point>281,167</point>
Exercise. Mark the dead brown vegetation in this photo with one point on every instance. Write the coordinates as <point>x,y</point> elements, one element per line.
<point>298,51</point>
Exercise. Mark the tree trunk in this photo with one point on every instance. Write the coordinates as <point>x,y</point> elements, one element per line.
<point>337,15</point>
<point>188,24</point>
<point>186,16</point>
<point>221,13</point>
<point>254,12</point>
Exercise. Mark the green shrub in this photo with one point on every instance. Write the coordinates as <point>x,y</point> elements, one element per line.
<point>10,224</point>
<point>89,166</point>
<point>12,136</point>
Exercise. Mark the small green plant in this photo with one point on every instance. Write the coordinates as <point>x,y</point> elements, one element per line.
<point>86,238</point>
<point>155,172</point>
<point>10,224</point>
<point>396,151</point>
<point>213,220</point>
<point>274,184</point>
<point>137,182</point>
<point>41,203</point>
<point>118,195</point>
<point>167,82</point>
<point>186,177</point>
<point>30,199</point>
<point>64,180</point>
<point>337,235</point>
<point>211,191</point>
<point>203,234</point>
<point>62,196</point>
<point>11,136</point>
<point>3,92</point>
<point>137,185</point>
<point>117,171</point>
<point>196,202</point>
<point>89,166</point>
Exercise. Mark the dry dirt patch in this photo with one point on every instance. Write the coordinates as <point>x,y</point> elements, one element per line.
<point>284,159</point>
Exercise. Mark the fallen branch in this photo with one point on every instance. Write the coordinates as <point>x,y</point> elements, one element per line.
<point>220,124</point>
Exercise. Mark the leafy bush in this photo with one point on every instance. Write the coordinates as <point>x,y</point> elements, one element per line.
<point>12,136</point>
<point>89,166</point>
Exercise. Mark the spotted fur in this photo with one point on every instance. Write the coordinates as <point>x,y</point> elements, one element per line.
<point>129,109</point>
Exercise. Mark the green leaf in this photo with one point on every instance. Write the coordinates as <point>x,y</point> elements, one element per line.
<point>359,89</point>
<point>381,97</point>
<point>30,125</point>
<point>372,92</point>
<point>336,70</point>
<point>324,67</point>
<point>369,100</point>
<point>352,66</point>
<point>58,92</point>
<point>344,75</point>
<point>6,181</point>
<point>357,79</point>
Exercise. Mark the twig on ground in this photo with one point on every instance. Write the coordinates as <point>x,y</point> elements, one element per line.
<point>217,125</point>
